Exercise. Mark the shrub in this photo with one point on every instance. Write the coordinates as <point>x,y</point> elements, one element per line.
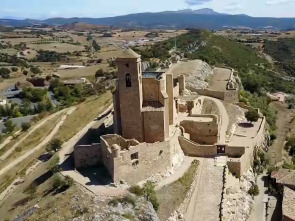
<point>273,136</point>
<point>14,69</point>
<point>137,190</point>
<point>252,115</point>
<point>54,165</point>
<point>54,145</point>
<point>254,190</point>
<point>10,126</point>
<point>57,181</point>
<point>25,126</point>
<point>127,199</point>
<point>25,72</point>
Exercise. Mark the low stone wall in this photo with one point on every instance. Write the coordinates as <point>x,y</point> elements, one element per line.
<point>193,149</point>
<point>87,155</point>
<point>234,152</point>
<point>210,93</point>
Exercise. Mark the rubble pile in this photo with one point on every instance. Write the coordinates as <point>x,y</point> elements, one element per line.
<point>237,202</point>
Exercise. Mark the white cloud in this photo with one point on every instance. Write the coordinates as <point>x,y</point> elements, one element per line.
<point>196,2</point>
<point>233,6</point>
<point>278,2</point>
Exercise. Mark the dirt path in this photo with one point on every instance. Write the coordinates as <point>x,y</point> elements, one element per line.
<point>9,139</point>
<point>206,198</point>
<point>44,142</point>
<point>259,208</point>
<point>284,119</point>
<point>178,173</point>
<point>7,153</point>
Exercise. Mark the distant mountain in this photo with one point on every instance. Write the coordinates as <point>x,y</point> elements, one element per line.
<point>80,26</point>
<point>203,18</point>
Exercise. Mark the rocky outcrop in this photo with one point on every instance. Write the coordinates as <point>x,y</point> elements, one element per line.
<point>197,80</point>
<point>237,203</point>
<point>137,210</point>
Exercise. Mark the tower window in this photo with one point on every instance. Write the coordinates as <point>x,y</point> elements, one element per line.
<point>128,80</point>
<point>127,65</point>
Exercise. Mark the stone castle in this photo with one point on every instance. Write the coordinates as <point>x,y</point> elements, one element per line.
<point>156,122</point>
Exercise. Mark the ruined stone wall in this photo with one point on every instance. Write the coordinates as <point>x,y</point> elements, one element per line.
<point>169,89</point>
<point>193,149</point>
<point>154,126</point>
<point>87,155</point>
<point>152,158</point>
<point>209,93</point>
<point>234,151</point>
<point>202,132</point>
<point>231,96</point>
<point>150,89</point>
<point>235,166</point>
<point>181,80</point>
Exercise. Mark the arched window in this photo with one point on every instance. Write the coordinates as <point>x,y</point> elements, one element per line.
<point>128,80</point>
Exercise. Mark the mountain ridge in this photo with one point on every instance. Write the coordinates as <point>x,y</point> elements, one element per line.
<point>203,18</point>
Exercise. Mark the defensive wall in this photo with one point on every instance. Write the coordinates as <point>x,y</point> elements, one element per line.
<point>239,158</point>
<point>129,160</point>
<point>229,94</point>
<point>203,129</point>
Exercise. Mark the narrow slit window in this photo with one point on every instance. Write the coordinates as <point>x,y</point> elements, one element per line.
<point>128,80</point>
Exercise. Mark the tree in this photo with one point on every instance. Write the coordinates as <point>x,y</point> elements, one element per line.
<point>54,165</point>
<point>35,70</point>
<point>10,126</point>
<point>95,45</point>
<point>25,126</point>
<point>54,145</point>
<point>14,69</point>
<point>4,72</point>
<point>254,190</point>
<point>252,115</point>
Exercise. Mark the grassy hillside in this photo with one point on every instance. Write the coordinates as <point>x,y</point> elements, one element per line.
<point>282,51</point>
<point>255,72</point>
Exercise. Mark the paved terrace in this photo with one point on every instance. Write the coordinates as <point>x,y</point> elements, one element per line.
<point>245,133</point>
<point>219,79</point>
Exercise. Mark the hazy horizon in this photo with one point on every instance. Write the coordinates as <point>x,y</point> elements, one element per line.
<point>36,9</point>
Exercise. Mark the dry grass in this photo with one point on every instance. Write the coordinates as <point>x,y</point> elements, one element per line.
<point>82,72</point>
<point>84,114</point>
<point>58,47</point>
<point>20,200</point>
<point>171,196</point>
<point>35,138</point>
<point>32,140</point>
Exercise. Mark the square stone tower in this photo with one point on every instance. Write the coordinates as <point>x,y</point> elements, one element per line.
<point>128,97</point>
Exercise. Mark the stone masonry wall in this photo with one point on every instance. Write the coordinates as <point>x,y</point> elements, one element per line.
<point>150,89</point>
<point>231,96</point>
<point>191,148</point>
<point>154,126</point>
<point>87,155</point>
<point>152,158</point>
<point>202,132</point>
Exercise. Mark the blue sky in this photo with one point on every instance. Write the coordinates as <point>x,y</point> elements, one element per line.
<point>101,8</point>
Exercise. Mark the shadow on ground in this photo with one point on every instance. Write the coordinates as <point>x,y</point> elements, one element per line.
<point>98,175</point>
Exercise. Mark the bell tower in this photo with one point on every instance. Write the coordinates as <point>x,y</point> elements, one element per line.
<point>130,95</point>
